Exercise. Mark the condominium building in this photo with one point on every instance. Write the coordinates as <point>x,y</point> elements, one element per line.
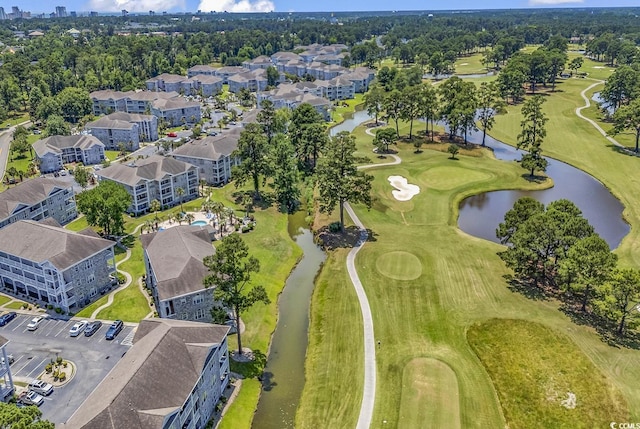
<point>165,82</point>
<point>212,155</point>
<point>122,127</point>
<point>154,178</point>
<point>55,151</point>
<point>107,101</point>
<point>173,261</point>
<point>45,263</point>
<point>171,378</point>
<point>176,111</point>
<point>38,199</point>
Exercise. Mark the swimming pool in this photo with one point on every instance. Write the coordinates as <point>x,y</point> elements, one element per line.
<point>199,223</point>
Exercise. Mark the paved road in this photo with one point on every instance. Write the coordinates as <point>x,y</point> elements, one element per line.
<point>369,390</point>
<point>94,357</point>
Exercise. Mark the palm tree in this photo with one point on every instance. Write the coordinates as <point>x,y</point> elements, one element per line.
<point>202,183</point>
<point>189,218</point>
<point>247,202</point>
<point>155,207</point>
<point>148,225</point>
<point>180,193</point>
<point>217,208</point>
<point>231,215</point>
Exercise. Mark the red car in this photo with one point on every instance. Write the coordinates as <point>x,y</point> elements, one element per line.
<point>172,134</point>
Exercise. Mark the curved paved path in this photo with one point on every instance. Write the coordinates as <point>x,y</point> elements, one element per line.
<point>369,390</point>
<point>94,315</point>
<point>591,121</point>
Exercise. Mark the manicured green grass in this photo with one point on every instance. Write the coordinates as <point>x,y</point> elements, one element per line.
<point>16,305</point>
<point>78,224</point>
<point>535,368</point>
<point>462,279</point>
<point>111,154</point>
<point>399,265</point>
<point>88,310</point>
<point>470,64</point>
<point>430,396</point>
<point>14,119</point>
<point>338,113</point>
<point>4,299</point>
<point>240,413</point>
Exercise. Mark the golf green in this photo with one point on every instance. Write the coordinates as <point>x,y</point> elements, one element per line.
<point>399,265</point>
<point>430,397</point>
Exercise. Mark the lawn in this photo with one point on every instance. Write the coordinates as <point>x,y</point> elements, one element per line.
<point>471,64</point>
<point>14,119</point>
<point>78,224</point>
<point>460,283</point>
<point>338,113</point>
<point>535,368</point>
<point>240,413</point>
<point>111,155</point>
<point>16,305</point>
<point>4,299</point>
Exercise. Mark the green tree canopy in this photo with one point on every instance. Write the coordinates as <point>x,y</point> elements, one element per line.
<point>231,270</point>
<point>104,207</point>
<point>252,151</point>
<point>13,417</point>
<point>339,180</point>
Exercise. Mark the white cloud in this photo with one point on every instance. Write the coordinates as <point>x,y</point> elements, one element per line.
<point>136,5</point>
<point>551,2</point>
<point>236,5</point>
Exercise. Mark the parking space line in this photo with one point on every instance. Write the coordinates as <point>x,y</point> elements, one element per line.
<point>63,328</point>
<point>37,367</point>
<point>21,323</point>
<point>17,360</point>
<point>23,366</point>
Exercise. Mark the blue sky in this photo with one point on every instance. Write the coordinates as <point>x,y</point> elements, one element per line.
<point>297,5</point>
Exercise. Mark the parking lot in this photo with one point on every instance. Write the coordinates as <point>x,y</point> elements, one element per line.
<point>93,356</point>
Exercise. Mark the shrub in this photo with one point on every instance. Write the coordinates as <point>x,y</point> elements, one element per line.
<point>58,310</point>
<point>62,376</point>
<point>59,360</point>
<point>49,307</point>
<point>25,306</point>
<point>48,368</point>
<point>64,364</point>
<point>245,229</point>
<point>334,227</point>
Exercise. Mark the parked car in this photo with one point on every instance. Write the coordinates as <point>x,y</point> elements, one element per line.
<point>172,134</point>
<point>78,327</point>
<point>41,387</point>
<point>92,328</point>
<point>7,317</point>
<point>35,322</point>
<point>114,329</point>
<point>63,172</point>
<point>10,358</point>
<point>36,131</point>
<point>31,398</point>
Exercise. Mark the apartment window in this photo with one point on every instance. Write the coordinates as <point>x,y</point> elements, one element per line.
<point>185,316</point>
<point>91,278</point>
<point>198,299</point>
<point>199,314</point>
<point>93,292</point>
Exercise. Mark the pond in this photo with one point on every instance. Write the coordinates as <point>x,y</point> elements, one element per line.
<point>283,378</point>
<point>481,214</point>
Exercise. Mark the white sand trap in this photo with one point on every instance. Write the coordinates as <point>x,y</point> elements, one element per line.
<point>404,191</point>
<point>570,402</point>
<point>598,67</point>
<point>464,64</point>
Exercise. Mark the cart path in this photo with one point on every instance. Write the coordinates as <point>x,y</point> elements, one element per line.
<point>94,315</point>
<point>369,390</point>
<point>591,121</point>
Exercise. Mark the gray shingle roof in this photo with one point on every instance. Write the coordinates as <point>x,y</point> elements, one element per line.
<point>152,168</point>
<point>153,379</point>
<point>176,256</point>
<point>55,144</point>
<point>40,242</point>
<point>110,123</point>
<point>210,147</point>
<point>28,193</point>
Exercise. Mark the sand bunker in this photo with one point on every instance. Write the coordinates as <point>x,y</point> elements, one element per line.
<point>404,191</point>
<point>464,64</point>
<point>570,402</point>
<point>598,67</point>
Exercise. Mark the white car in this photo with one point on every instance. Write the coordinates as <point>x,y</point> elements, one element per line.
<point>41,387</point>
<point>35,322</point>
<point>78,328</point>
<point>31,398</point>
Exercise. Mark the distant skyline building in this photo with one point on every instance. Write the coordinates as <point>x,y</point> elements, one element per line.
<point>61,12</point>
<point>3,14</point>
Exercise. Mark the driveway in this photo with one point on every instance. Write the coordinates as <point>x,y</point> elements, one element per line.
<point>5,144</point>
<point>93,356</point>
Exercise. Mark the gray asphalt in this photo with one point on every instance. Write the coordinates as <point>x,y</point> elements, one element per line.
<point>93,356</point>
<point>5,144</point>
